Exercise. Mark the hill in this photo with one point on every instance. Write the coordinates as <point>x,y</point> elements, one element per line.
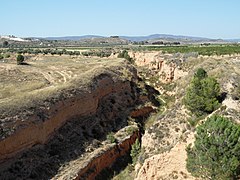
<point>153,37</point>
<point>97,39</point>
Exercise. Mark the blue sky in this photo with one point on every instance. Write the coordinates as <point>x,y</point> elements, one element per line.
<point>41,18</point>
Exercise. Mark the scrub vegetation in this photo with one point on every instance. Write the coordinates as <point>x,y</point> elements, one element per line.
<point>216,150</point>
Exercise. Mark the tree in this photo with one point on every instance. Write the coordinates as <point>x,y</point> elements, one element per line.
<point>202,94</point>
<point>5,44</point>
<point>124,54</point>
<point>216,150</point>
<point>20,59</point>
<point>201,73</point>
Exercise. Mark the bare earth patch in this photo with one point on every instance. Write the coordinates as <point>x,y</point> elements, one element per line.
<point>168,165</point>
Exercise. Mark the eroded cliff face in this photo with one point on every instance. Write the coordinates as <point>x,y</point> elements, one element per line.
<point>164,142</point>
<point>83,105</point>
<point>70,129</point>
<point>105,157</point>
<point>160,64</point>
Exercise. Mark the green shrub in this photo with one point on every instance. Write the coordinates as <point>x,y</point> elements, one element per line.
<point>111,138</point>
<point>202,94</point>
<point>216,150</point>
<point>20,59</point>
<point>130,130</point>
<point>193,121</point>
<point>7,56</point>
<point>124,54</point>
<point>136,149</point>
<point>99,53</point>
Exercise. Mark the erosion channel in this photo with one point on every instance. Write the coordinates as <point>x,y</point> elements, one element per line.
<point>81,131</point>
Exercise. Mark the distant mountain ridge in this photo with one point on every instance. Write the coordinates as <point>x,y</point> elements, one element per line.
<point>73,38</point>
<point>150,38</point>
<point>162,36</point>
<point>234,40</point>
<point>130,38</point>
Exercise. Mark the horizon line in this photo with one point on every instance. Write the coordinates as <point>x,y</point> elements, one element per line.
<point>59,36</point>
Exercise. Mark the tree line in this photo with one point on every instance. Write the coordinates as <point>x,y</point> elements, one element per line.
<point>215,153</point>
<point>36,51</point>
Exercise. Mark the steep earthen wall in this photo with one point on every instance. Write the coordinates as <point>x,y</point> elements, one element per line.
<point>39,133</point>
<point>106,158</point>
<point>167,71</point>
<point>145,111</point>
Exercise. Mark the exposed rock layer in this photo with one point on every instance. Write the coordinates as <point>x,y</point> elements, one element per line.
<point>158,63</point>
<point>165,142</point>
<point>49,140</point>
<point>40,133</point>
<point>106,158</point>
